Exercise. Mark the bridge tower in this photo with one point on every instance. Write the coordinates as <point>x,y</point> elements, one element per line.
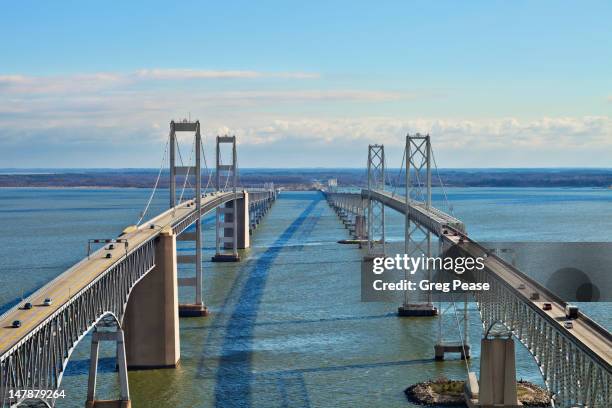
<point>232,220</point>
<point>497,385</point>
<point>197,308</point>
<point>376,209</point>
<point>417,239</point>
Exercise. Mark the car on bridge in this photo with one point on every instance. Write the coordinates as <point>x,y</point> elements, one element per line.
<point>547,306</point>
<point>568,325</point>
<point>47,302</point>
<point>27,306</point>
<point>16,324</point>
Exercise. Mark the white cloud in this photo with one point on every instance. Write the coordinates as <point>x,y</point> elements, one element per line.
<point>107,109</point>
<point>165,74</point>
<point>23,84</point>
<point>14,85</point>
<point>133,108</point>
<point>306,95</point>
<point>266,140</point>
<point>546,132</point>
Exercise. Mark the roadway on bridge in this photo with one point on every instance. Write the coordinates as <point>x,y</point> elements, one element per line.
<point>79,276</point>
<point>287,328</point>
<point>584,333</point>
<point>597,342</point>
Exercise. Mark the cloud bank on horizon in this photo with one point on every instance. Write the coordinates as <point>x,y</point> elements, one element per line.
<point>306,97</point>
<point>111,111</point>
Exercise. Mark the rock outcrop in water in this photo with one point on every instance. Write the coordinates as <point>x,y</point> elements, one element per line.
<point>449,393</point>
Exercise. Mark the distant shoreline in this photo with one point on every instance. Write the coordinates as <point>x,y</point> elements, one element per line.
<point>309,179</point>
<point>284,188</point>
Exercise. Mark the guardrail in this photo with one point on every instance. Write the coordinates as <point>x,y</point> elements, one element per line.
<point>542,289</point>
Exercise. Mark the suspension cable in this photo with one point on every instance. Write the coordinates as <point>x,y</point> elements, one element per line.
<point>187,172</point>
<point>144,212</point>
<point>178,148</point>
<point>419,189</point>
<point>399,174</point>
<point>226,180</point>
<point>237,170</point>
<point>206,167</point>
<point>449,206</point>
<point>461,336</point>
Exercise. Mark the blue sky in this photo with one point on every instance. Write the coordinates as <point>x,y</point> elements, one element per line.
<point>497,84</point>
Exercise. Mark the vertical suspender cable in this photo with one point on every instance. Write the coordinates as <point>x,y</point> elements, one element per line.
<point>144,212</point>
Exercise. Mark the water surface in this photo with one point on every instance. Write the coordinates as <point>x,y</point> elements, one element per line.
<point>287,328</point>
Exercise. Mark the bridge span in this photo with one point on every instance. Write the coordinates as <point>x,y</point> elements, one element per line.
<point>127,290</point>
<point>69,285</point>
<point>576,362</point>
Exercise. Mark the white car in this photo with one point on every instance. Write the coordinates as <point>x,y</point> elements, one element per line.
<point>568,325</point>
<point>48,302</point>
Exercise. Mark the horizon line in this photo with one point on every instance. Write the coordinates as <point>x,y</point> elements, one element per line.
<point>317,168</point>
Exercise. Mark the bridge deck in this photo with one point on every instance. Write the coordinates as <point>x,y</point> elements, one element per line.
<point>430,218</point>
<point>87,270</point>
<point>591,337</point>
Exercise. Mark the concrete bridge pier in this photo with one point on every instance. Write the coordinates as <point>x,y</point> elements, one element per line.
<point>263,210</point>
<point>256,214</point>
<point>232,229</point>
<point>260,212</point>
<point>497,386</point>
<point>151,321</point>
<point>360,227</point>
<point>440,350</point>
<point>197,308</point>
<point>124,401</point>
<point>242,224</point>
<point>253,219</point>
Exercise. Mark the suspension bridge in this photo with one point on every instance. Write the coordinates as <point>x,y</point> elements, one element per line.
<point>575,363</point>
<point>125,291</point>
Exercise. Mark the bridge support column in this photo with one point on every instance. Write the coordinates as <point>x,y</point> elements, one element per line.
<point>360,227</point>
<point>235,231</point>
<point>151,321</point>
<point>242,212</point>
<point>197,308</point>
<point>497,376</point>
<point>124,401</point>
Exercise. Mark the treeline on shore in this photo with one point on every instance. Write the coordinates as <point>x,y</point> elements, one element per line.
<point>309,178</point>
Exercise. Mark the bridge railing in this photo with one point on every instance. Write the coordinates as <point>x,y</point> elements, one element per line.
<point>47,285</point>
<point>542,290</point>
<point>577,374</point>
<point>38,360</point>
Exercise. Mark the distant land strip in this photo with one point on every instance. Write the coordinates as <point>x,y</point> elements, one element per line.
<point>309,179</point>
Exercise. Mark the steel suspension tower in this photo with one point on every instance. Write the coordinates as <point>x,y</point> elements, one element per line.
<point>376,209</point>
<point>227,217</point>
<point>197,308</point>
<point>417,239</point>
